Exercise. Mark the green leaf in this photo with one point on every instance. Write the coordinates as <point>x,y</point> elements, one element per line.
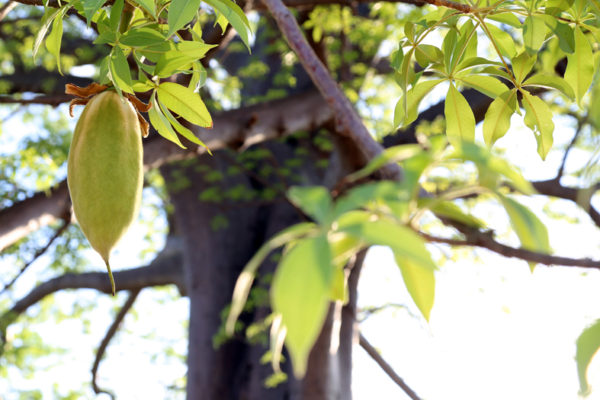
<point>396,59</point>
<point>116,10</point>
<point>314,201</point>
<point>185,132</point>
<point>508,18</point>
<point>521,65</point>
<point>198,76</point>
<point>185,103</point>
<point>235,16</point>
<point>182,58</point>
<point>339,286</point>
<point>534,33</point>
<point>390,155</point>
<point>403,241</point>
<point>504,41</point>
<point>420,282</point>
<point>300,294</point>
<point>343,247</point>
<point>426,54</point>
<point>450,210</point>
<point>142,37</point>
<point>362,195</point>
<point>497,116</point>
<point>487,85</point>
<point>161,124</point>
<point>180,13</point>
<point>54,39</point>
<point>460,122</point>
<point>413,99</point>
<point>49,15</point>
<point>550,81</point>
<point>588,344</point>
<point>119,70</point>
<point>469,63</point>
<point>490,167</point>
<point>90,7</point>
<point>148,5</point>
<point>244,281</point>
<point>580,67</point>
<point>538,117</point>
<point>410,253</point>
<point>531,231</point>
<point>566,37</point>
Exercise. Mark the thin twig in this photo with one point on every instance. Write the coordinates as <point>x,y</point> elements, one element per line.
<point>110,333</point>
<point>561,169</point>
<point>6,8</point>
<point>485,240</point>
<point>451,4</point>
<point>351,124</point>
<point>37,254</point>
<point>387,368</point>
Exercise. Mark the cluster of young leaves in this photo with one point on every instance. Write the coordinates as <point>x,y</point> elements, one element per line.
<point>311,272</point>
<point>563,28</point>
<point>161,39</point>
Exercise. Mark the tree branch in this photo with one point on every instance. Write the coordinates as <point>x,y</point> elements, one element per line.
<point>29,215</point>
<point>387,368</point>
<point>165,269</point>
<point>486,241</point>
<point>582,197</point>
<point>451,4</point>
<point>346,116</point>
<point>239,128</point>
<point>37,254</point>
<point>112,330</point>
<point>51,100</point>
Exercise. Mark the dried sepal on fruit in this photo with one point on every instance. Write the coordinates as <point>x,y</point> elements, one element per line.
<point>105,167</point>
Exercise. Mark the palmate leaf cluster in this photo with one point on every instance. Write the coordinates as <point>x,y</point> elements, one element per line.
<point>509,74</point>
<point>526,39</point>
<point>163,39</point>
<point>525,42</point>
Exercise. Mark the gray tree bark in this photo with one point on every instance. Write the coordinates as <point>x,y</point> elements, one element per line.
<point>219,237</point>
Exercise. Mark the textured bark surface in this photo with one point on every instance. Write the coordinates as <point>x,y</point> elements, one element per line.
<point>215,253</point>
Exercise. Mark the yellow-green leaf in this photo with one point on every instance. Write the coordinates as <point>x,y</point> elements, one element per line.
<point>580,66</point>
<point>406,111</point>
<point>180,13</point>
<point>54,39</point>
<point>487,85</point>
<point>588,345</point>
<point>531,231</point>
<point>460,122</point>
<point>420,283</point>
<point>497,116</point>
<point>534,33</point>
<point>161,124</point>
<point>300,294</point>
<point>550,81</point>
<point>183,131</point>
<point>119,70</point>
<point>538,117</point>
<point>184,102</point>
<point>521,65</point>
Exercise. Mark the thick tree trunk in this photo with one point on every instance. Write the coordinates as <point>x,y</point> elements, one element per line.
<point>221,230</point>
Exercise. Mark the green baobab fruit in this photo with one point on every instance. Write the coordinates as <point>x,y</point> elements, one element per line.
<point>105,171</point>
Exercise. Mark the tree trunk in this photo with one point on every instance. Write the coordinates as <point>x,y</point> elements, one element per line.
<point>221,213</point>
